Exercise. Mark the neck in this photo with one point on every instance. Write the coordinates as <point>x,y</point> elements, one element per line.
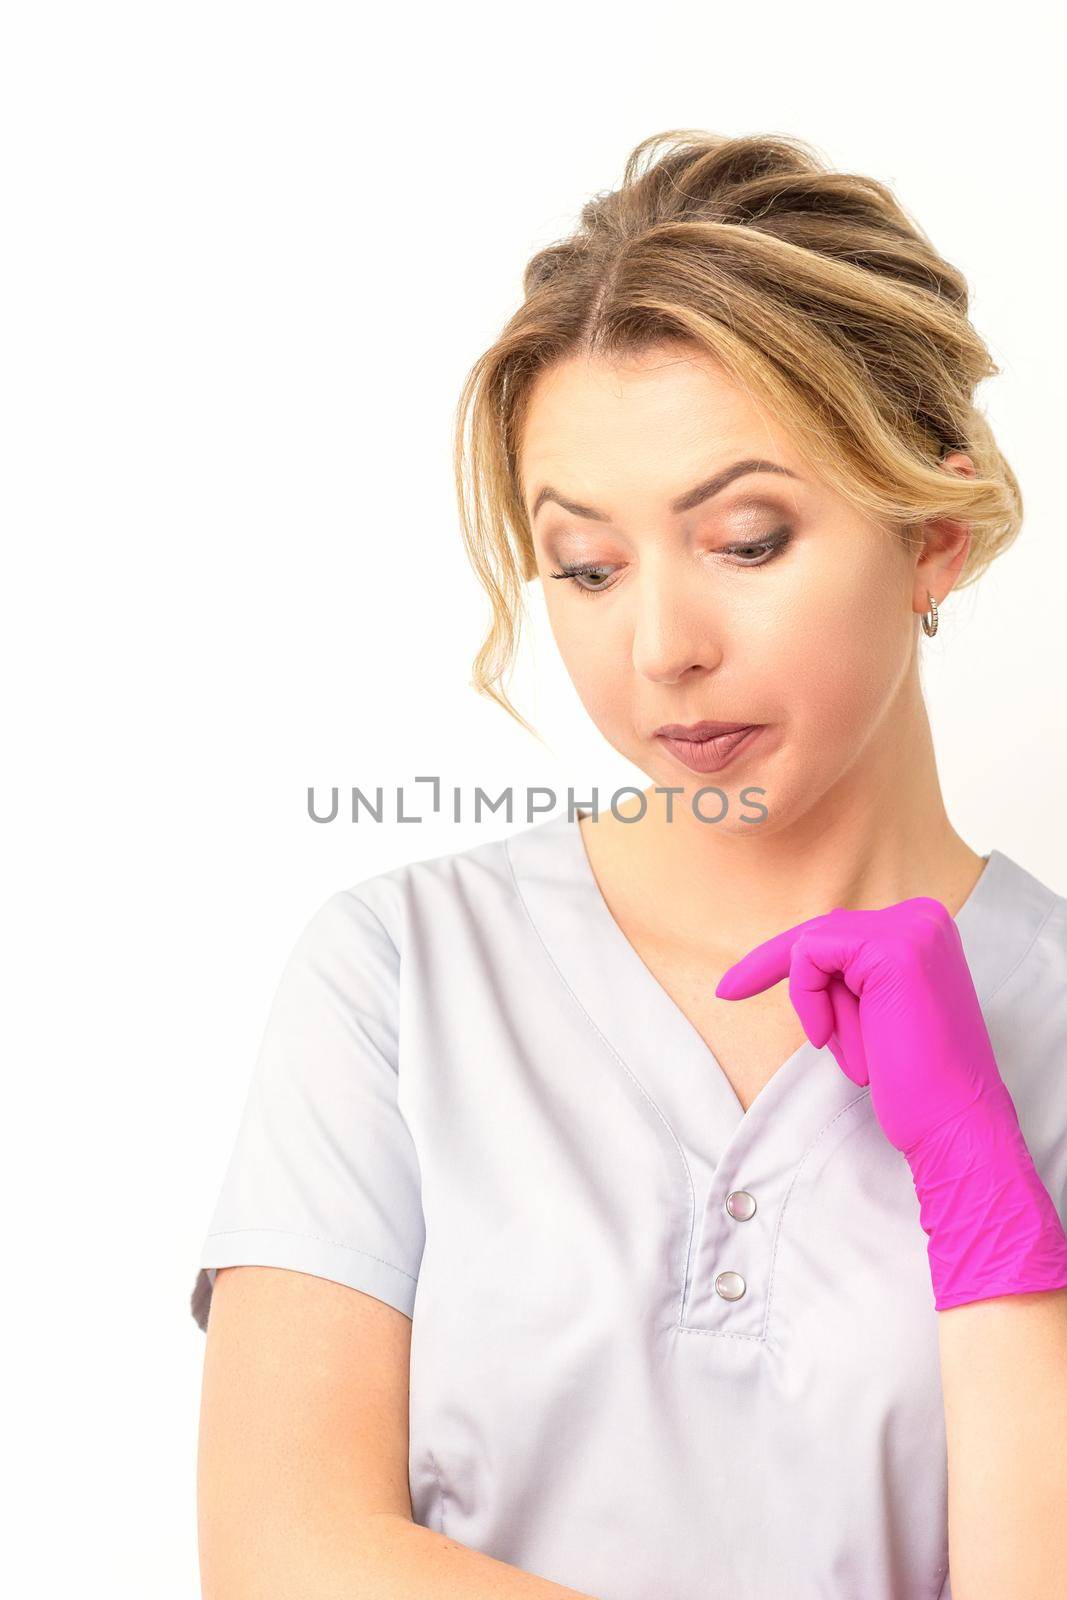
<point>879,834</point>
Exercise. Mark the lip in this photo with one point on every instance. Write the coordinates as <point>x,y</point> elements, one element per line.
<point>701,730</point>
<point>714,753</point>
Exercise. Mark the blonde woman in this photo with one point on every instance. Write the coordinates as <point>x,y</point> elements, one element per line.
<point>665,1201</point>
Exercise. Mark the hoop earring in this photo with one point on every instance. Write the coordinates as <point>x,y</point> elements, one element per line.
<point>930,627</point>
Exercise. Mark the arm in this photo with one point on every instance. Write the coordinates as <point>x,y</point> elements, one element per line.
<point>1004,1383</point>
<point>302,1471</point>
<point>892,994</point>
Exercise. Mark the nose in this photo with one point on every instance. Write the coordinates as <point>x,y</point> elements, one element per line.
<point>675,631</point>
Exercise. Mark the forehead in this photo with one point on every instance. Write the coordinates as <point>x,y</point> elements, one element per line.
<point>649,426</point>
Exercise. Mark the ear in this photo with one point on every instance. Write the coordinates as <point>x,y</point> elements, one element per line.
<point>945,542</point>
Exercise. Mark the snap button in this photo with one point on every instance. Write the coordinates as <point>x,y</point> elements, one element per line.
<point>730,1285</point>
<point>740,1204</point>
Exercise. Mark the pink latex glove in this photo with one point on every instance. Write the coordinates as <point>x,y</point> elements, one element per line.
<point>890,991</point>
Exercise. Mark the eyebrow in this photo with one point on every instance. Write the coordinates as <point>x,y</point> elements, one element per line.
<point>684,502</point>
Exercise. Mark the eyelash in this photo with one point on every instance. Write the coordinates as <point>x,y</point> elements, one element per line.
<point>775,543</point>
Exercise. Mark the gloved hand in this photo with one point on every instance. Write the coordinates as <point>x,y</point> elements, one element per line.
<point>891,993</point>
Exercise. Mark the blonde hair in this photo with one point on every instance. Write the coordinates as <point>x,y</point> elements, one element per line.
<point>812,288</point>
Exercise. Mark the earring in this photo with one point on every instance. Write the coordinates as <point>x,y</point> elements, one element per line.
<point>930,626</point>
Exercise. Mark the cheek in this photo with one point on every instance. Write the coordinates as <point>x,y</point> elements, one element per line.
<point>589,648</point>
<point>856,647</point>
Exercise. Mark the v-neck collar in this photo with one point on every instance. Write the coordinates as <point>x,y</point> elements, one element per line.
<point>679,1087</point>
<point>653,1038</point>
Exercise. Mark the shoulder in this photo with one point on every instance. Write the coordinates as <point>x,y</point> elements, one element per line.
<point>1020,965</point>
<point>436,895</point>
<point>1027,931</point>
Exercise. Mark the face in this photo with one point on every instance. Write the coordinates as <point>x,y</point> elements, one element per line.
<point>771,602</point>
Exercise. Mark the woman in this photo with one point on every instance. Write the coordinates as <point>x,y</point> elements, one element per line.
<point>699,1162</point>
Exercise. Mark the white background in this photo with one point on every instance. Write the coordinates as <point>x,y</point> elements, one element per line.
<point>250,253</point>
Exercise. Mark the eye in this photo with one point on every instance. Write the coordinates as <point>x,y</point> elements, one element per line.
<point>767,549</point>
<point>575,574</point>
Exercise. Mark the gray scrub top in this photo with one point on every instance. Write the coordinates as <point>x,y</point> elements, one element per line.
<point>660,1346</point>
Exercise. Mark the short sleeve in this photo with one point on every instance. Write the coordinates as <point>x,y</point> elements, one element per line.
<point>324,1174</point>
